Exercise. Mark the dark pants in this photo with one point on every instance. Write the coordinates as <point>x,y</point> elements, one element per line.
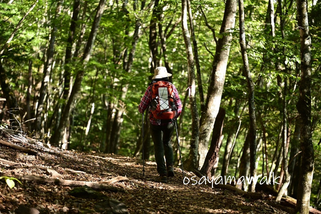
<point>161,136</point>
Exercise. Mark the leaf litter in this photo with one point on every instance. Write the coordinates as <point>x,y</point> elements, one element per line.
<point>75,182</point>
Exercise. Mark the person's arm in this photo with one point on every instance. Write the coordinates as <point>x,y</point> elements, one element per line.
<point>178,101</point>
<point>144,103</point>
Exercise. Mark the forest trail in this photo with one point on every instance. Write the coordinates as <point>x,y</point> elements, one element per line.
<point>56,181</point>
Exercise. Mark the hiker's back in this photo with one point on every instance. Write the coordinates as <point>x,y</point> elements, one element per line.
<point>163,101</point>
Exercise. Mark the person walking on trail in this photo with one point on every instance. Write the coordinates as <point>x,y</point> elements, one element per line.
<point>162,100</point>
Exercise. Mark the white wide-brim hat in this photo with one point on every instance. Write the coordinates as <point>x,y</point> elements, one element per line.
<point>161,72</point>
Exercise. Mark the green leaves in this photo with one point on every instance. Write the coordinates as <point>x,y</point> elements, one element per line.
<point>10,181</point>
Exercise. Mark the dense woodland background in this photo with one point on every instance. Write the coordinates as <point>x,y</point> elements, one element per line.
<point>73,72</point>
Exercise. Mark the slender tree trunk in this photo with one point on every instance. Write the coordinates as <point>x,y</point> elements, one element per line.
<point>70,41</point>
<point>92,103</point>
<point>28,98</point>
<point>252,130</point>
<point>195,52</point>
<point>294,159</point>
<point>153,37</point>
<point>237,165</point>
<point>245,163</point>
<point>102,147</point>
<point>285,144</point>
<point>191,162</point>
<point>304,108</point>
<point>46,76</point>
<point>164,35</point>
<point>217,78</point>
<point>144,138</point>
<point>68,59</point>
<point>264,149</point>
<point>56,138</point>
<point>230,142</point>
<point>271,17</point>
<point>115,131</point>
<point>227,152</point>
<point>92,110</point>
<point>278,161</point>
<point>212,156</point>
<point>162,38</point>
<point>82,30</point>
<point>276,154</point>
<point>109,122</point>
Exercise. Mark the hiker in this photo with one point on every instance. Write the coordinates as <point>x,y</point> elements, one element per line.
<point>162,118</point>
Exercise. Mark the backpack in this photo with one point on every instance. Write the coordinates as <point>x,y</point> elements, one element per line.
<point>163,102</point>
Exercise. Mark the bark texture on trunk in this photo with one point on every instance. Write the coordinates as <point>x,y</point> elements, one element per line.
<point>192,161</point>
<point>217,79</point>
<point>304,108</point>
<point>247,73</point>
<point>212,156</point>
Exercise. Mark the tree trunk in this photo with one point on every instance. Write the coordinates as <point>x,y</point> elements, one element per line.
<point>39,128</point>
<point>304,109</point>
<point>92,103</point>
<point>68,55</point>
<point>212,156</point>
<point>164,35</point>
<point>121,106</point>
<point>252,130</point>
<point>57,136</point>
<point>245,163</point>
<point>285,145</point>
<point>68,59</point>
<point>28,97</point>
<point>276,154</point>
<point>197,63</point>
<point>278,161</point>
<point>217,78</point>
<point>294,159</point>
<point>153,37</point>
<point>230,142</point>
<point>108,127</point>
<point>143,142</point>
<point>92,110</point>
<point>270,19</point>
<point>162,38</point>
<point>264,149</point>
<point>191,162</point>
<point>82,29</point>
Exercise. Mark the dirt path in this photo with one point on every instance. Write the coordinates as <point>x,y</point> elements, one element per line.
<point>54,181</point>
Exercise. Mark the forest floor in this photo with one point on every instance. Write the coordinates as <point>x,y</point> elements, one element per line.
<point>56,181</point>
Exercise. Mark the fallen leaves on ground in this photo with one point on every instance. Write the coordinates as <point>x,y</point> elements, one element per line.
<point>124,187</point>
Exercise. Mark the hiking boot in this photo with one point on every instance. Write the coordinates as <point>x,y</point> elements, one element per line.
<point>170,171</point>
<point>163,178</point>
